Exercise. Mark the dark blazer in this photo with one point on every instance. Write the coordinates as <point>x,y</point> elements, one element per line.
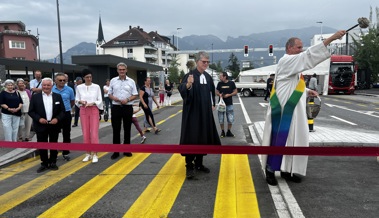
<point>37,111</point>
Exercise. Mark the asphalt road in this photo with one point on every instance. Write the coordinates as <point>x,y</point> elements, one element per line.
<point>154,185</point>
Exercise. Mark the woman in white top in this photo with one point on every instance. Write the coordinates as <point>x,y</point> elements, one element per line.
<point>88,98</point>
<point>26,120</point>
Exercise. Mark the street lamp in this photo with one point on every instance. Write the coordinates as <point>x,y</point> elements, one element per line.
<point>39,54</point>
<point>60,38</point>
<point>177,38</point>
<point>212,59</point>
<point>320,22</point>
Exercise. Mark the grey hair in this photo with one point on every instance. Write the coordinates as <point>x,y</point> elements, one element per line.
<point>60,74</point>
<point>20,80</point>
<point>8,81</point>
<point>291,42</point>
<point>47,79</point>
<point>201,54</point>
<point>122,64</point>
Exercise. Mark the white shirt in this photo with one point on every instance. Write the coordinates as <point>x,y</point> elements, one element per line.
<point>91,94</point>
<point>48,103</point>
<point>122,89</point>
<point>105,88</point>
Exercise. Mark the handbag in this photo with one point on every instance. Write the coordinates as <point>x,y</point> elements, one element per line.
<point>221,105</point>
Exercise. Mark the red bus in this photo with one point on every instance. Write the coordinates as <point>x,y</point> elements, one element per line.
<point>341,75</point>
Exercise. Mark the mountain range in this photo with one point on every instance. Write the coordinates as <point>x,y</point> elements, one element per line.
<point>209,42</point>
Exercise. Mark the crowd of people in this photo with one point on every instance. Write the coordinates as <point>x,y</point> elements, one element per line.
<point>285,125</point>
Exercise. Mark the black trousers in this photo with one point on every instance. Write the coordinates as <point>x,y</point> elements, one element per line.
<point>77,113</point>
<point>66,130</point>
<point>50,135</point>
<point>148,114</point>
<point>194,158</point>
<point>121,114</point>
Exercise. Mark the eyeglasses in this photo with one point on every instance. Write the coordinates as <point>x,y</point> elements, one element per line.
<point>205,62</point>
<point>62,80</point>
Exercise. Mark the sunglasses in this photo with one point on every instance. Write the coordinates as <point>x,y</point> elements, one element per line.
<point>205,62</point>
<point>62,80</point>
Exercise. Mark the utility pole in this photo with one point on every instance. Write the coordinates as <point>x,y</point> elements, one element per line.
<point>60,39</point>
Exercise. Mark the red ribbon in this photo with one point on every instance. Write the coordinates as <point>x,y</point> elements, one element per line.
<point>199,149</point>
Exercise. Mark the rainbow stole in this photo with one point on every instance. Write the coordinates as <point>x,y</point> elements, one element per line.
<point>281,122</point>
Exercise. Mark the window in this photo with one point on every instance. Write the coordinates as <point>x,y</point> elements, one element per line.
<point>130,51</point>
<point>17,44</point>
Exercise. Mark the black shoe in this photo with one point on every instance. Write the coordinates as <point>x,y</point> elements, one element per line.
<point>66,157</point>
<point>293,178</point>
<point>202,168</point>
<point>128,154</point>
<point>115,155</point>
<point>229,134</point>
<point>42,168</point>
<point>74,125</point>
<point>190,173</point>
<point>270,178</point>
<point>222,134</point>
<point>53,166</point>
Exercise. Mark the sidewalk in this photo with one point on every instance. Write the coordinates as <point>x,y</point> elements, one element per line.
<point>11,155</point>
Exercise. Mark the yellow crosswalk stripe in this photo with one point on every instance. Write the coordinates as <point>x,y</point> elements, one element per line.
<point>22,193</point>
<point>160,195</point>
<point>19,167</point>
<point>236,196</point>
<point>86,196</point>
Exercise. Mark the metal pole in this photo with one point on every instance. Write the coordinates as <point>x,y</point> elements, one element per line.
<point>39,50</point>
<point>212,60</point>
<point>347,43</point>
<point>177,37</point>
<point>60,38</point>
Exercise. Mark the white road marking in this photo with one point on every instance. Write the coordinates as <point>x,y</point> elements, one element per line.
<point>264,104</point>
<point>247,118</point>
<point>369,113</point>
<point>340,119</point>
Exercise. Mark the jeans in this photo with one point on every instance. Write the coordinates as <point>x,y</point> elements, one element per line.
<point>10,126</point>
<point>229,115</point>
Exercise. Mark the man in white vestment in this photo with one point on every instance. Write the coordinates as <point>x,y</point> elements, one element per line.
<point>288,78</point>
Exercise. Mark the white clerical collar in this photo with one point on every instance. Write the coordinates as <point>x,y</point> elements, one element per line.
<point>203,80</point>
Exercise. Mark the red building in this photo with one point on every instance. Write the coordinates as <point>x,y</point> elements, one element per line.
<point>16,42</point>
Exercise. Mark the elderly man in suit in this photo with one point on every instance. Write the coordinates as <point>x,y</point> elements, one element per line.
<point>47,111</point>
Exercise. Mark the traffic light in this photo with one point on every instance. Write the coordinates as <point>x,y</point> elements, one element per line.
<point>246,48</point>
<point>270,50</point>
<point>165,71</point>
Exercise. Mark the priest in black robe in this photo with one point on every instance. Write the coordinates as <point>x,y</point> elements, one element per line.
<point>198,126</point>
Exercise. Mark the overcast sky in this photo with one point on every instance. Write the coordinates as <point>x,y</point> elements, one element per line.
<point>79,18</point>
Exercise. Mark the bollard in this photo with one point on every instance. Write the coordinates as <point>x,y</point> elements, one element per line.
<point>311,103</point>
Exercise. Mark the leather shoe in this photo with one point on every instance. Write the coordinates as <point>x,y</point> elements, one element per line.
<point>190,173</point>
<point>293,178</point>
<point>202,168</point>
<point>128,154</point>
<point>42,168</point>
<point>115,155</point>
<point>53,166</point>
<point>270,178</point>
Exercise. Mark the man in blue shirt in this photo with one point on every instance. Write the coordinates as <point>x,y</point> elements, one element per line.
<point>68,98</point>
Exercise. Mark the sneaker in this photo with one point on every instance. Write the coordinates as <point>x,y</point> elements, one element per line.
<point>95,159</point>
<point>143,139</point>
<point>222,134</point>
<point>53,166</point>
<point>229,134</point>
<point>74,125</point>
<point>87,158</point>
<point>66,157</point>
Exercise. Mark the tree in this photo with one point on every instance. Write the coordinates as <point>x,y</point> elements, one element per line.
<point>217,67</point>
<point>366,50</point>
<point>234,65</point>
<point>174,71</point>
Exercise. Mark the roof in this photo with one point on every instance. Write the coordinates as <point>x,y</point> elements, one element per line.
<point>13,64</point>
<point>133,37</point>
<point>14,22</point>
<point>112,61</point>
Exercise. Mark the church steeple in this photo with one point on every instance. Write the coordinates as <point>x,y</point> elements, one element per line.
<point>100,39</point>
